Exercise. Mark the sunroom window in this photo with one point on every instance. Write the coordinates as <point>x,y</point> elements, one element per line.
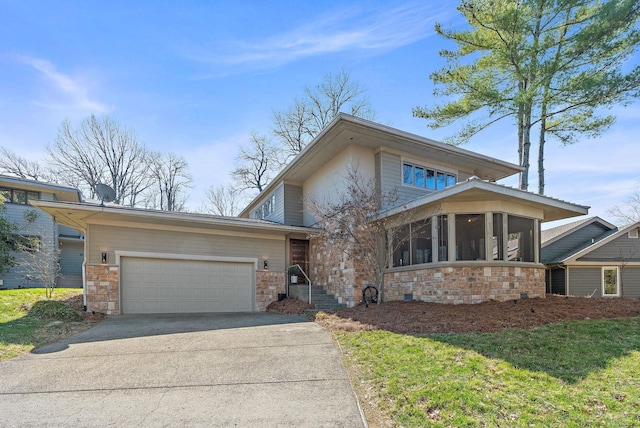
<point>470,237</point>
<point>412,244</point>
<point>421,242</point>
<point>520,239</point>
<point>443,238</point>
<point>474,237</point>
<point>402,246</point>
<point>496,240</point>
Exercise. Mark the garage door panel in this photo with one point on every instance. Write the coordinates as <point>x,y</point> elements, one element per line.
<point>175,286</point>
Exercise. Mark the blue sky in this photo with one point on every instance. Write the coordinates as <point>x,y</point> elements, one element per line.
<point>196,77</point>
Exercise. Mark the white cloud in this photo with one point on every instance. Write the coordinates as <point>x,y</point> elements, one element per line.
<point>74,89</point>
<point>343,30</point>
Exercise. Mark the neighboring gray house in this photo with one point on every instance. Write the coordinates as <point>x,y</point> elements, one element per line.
<point>469,239</point>
<point>592,257</point>
<point>18,194</point>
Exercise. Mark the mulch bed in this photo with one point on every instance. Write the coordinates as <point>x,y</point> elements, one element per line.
<point>76,303</point>
<point>289,306</point>
<point>428,318</point>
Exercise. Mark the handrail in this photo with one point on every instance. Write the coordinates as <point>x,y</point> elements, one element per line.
<point>305,275</point>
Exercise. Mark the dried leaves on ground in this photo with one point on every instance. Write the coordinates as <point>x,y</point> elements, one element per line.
<point>427,318</point>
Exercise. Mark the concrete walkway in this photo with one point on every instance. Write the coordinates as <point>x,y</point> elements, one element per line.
<point>209,370</point>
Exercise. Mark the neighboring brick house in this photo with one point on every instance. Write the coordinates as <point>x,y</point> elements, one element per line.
<point>18,194</point>
<point>477,240</point>
<point>592,257</point>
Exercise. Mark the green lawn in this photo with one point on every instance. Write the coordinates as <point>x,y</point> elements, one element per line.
<point>583,373</point>
<point>20,333</point>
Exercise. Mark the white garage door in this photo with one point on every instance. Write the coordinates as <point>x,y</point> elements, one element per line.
<point>178,286</point>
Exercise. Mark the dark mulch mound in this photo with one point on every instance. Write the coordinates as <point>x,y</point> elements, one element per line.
<point>427,318</point>
<point>289,306</point>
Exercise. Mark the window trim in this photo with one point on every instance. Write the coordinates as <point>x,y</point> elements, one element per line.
<point>617,269</point>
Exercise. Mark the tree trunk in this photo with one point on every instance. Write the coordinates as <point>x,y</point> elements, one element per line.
<point>541,142</point>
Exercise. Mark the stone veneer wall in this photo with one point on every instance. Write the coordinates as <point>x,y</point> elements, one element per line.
<point>103,293</point>
<point>343,277</point>
<point>268,286</point>
<point>465,284</point>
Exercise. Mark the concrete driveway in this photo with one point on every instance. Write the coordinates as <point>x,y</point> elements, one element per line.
<point>212,370</point>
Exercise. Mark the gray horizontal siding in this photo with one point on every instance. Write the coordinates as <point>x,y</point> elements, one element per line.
<point>71,258</point>
<point>42,227</point>
<point>390,178</point>
<point>620,249</point>
<point>584,281</point>
<point>572,242</point>
<point>631,281</point>
<point>112,238</point>
<point>293,205</point>
<point>278,212</point>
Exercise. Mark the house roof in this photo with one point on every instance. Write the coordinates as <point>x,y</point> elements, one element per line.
<point>345,130</point>
<point>474,190</point>
<point>62,193</point>
<point>608,237</point>
<point>80,215</point>
<point>554,234</point>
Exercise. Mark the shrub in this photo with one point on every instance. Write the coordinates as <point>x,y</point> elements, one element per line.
<point>53,310</point>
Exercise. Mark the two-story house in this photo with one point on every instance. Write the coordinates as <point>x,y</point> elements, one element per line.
<point>18,194</point>
<point>477,240</point>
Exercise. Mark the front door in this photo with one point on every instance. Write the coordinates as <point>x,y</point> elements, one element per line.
<point>299,255</point>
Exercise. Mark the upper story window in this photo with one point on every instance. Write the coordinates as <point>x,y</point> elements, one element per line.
<point>267,208</point>
<point>426,178</point>
<point>18,196</point>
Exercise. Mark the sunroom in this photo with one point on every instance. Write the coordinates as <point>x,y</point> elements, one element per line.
<point>472,242</point>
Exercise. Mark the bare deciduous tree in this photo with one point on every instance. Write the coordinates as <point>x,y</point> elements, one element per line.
<point>629,212</point>
<point>171,178</point>
<point>255,164</point>
<point>308,116</point>
<point>101,151</point>
<point>350,223</point>
<point>223,200</point>
<point>40,256</point>
<point>13,164</point>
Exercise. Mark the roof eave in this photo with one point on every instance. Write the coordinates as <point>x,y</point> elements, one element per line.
<point>509,168</point>
<point>493,188</point>
<point>232,222</point>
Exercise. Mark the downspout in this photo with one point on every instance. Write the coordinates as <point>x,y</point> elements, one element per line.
<point>566,277</point>
<point>84,270</point>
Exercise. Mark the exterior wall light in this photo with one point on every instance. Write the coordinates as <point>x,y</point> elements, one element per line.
<point>266,264</point>
<point>104,257</point>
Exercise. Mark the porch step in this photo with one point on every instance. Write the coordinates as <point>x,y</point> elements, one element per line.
<point>319,297</point>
